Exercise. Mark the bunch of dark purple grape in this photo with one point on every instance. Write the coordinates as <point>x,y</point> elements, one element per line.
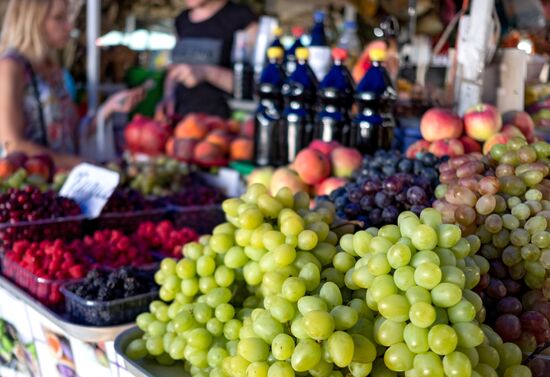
<point>387,184</point>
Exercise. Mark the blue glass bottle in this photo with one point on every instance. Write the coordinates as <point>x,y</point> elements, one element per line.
<point>317,33</point>
<point>335,98</point>
<point>299,94</point>
<point>373,127</point>
<point>268,114</point>
<point>290,54</point>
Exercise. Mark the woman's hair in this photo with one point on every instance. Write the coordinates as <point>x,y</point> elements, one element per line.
<point>22,29</point>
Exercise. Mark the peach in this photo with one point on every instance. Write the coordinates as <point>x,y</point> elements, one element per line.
<point>345,161</point>
<point>220,138</point>
<point>242,149</point>
<point>512,131</point>
<point>261,175</point>
<point>184,149</point>
<point>312,166</point>
<point>469,144</point>
<point>285,177</point>
<point>6,168</point>
<point>439,124</point>
<point>324,147</point>
<point>329,185</point>
<point>500,138</point>
<point>482,121</point>
<point>192,126</point>
<point>207,152</point>
<point>522,121</point>
<point>421,146</point>
<point>450,147</point>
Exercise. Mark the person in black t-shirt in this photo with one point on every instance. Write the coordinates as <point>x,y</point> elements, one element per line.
<point>200,78</point>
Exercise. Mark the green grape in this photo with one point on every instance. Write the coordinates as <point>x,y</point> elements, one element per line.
<point>422,314</point>
<point>251,218</point>
<point>269,206</point>
<point>394,307</point>
<point>509,354</point>
<point>462,249</point>
<point>378,265</point>
<point>206,284</point>
<point>469,334</point>
<point>220,243</point>
<point>390,232</point>
<point>231,206</point>
<point>232,328</point>
<point>488,355</point>
<point>510,222</point>
<point>379,244</point>
<point>418,294</point>
<point>361,242</point>
<point>425,256</point>
<point>451,274</point>
<point>331,294</point>
<point>530,253</point>
<point>199,338</point>
<point>272,239</point>
<point>533,194</point>
<point>137,349</point>
<point>318,324</point>
<point>382,286</point>
<point>253,349</point>
<point>283,255</point>
<point>154,345</point>
<point>440,192</point>
<point>431,217</point>
<point>428,364</point>
<point>257,369</point>
<point>404,277</point>
<point>280,369</point>
<point>303,258</point>
<point>399,358</point>
<point>343,261</point>
<point>416,338</point>
<point>156,328</point>
<point>293,289</point>
<point>341,348</point>
<point>345,317</point>
<point>224,312</point>
<point>282,347</point>
<point>364,350</point>
<point>448,235</point>
<point>457,364</point>
<point>446,295</point>
<point>464,311</point>
<point>388,332</point>
<point>325,253</point>
<point>214,326</point>
<point>321,229</point>
<point>446,257</point>
<point>427,275</point>
<point>307,240</point>
<point>311,276</point>
<point>252,273</point>
<point>521,211</point>
<point>239,365</point>
<point>442,339</point>
<point>242,237</point>
<point>360,369</point>
<point>535,224</point>
<point>362,277</point>
<point>424,237</point>
<point>399,255</point>
<point>224,276</point>
<point>306,355</point>
<point>215,356</point>
<point>183,322</point>
<point>517,371</point>
<point>441,317</point>
<point>285,197</point>
<point>205,265</point>
<point>282,310</point>
<point>292,226</point>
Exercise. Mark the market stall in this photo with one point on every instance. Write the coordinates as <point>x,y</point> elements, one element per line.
<point>377,203</point>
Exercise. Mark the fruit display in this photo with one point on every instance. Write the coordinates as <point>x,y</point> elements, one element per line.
<point>319,169</point>
<point>18,169</point>
<point>147,136</point>
<point>386,184</point>
<point>275,292</point>
<point>446,134</point>
<point>164,237</point>
<point>211,141</point>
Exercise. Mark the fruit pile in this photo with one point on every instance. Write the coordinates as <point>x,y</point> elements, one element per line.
<point>164,237</point>
<point>18,170</point>
<point>275,292</point>
<point>505,201</point>
<point>446,134</point>
<point>319,169</point>
<point>211,141</point>
<point>18,206</point>
<point>100,285</point>
<point>385,185</point>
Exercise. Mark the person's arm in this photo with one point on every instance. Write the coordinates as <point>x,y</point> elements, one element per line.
<point>12,123</point>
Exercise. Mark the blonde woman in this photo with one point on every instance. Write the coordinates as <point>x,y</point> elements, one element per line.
<point>36,112</point>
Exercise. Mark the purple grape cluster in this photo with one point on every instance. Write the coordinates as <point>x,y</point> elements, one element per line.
<point>387,184</point>
<point>126,200</point>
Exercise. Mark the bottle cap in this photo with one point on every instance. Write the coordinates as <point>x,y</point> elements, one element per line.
<point>319,16</point>
<point>275,53</point>
<point>297,31</point>
<point>339,53</point>
<point>302,53</point>
<point>278,31</point>
<point>377,54</point>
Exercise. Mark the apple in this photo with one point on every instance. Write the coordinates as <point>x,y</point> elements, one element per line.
<point>312,166</point>
<point>439,124</point>
<point>522,121</point>
<point>421,146</point>
<point>469,144</point>
<point>329,185</point>
<point>345,161</point>
<point>324,147</point>
<point>500,138</point>
<point>482,121</point>
<point>512,131</point>
<point>450,147</point>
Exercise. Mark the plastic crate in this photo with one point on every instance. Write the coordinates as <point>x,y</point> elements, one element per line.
<point>47,291</point>
<point>201,218</point>
<point>65,228</point>
<point>105,313</point>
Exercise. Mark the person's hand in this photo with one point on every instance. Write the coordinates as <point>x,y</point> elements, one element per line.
<point>189,75</point>
<point>124,101</point>
<point>165,109</point>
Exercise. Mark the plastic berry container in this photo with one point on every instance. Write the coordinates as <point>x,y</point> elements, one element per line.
<point>128,222</point>
<point>47,291</point>
<point>105,313</point>
<point>200,218</point>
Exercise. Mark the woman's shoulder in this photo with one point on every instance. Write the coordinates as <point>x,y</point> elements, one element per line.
<point>11,67</point>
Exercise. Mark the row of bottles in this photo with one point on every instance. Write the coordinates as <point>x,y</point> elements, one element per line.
<point>295,108</point>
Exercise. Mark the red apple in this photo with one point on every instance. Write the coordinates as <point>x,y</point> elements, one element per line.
<point>439,124</point>
<point>450,147</point>
<point>522,121</point>
<point>324,147</point>
<point>500,138</point>
<point>482,121</point>
<point>512,131</point>
<point>421,146</point>
<point>469,144</point>
<point>329,185</point>
<point>312,166</point>
<point>345,161</point>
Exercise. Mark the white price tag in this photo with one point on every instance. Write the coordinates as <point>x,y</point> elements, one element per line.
<point>91,187</point>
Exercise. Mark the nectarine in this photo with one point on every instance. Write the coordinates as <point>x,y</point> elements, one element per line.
<point>499,138</point>
<point>312,166</point>
<point>345,161</point>
<point>482,121</point>
<point>439,124</point>
<point>450,147</point>
<point>329,185</point>
<point>285,177</point>
<point>242,149</point>
<point>421,146</point>
<point>192,126</point>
